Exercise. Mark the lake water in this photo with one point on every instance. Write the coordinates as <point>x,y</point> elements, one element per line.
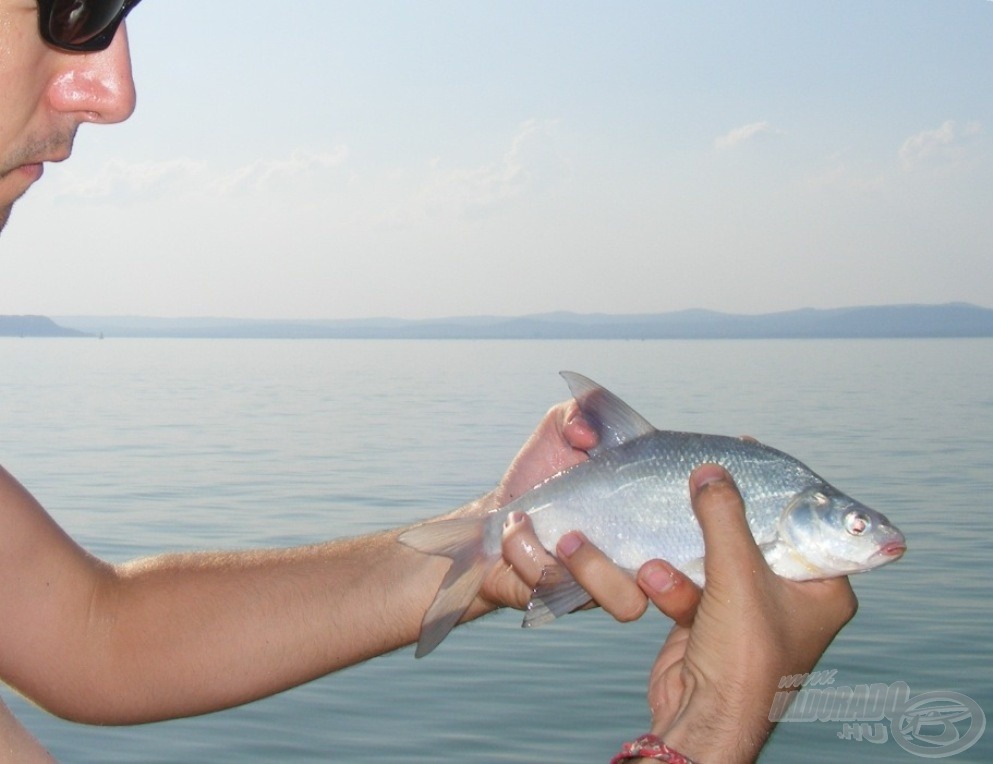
<point>142,446</point>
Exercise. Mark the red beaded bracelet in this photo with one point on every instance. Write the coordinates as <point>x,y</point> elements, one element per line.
<point>649,747</point>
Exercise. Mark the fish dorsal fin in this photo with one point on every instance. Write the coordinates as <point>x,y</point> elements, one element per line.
<point>614,421</point>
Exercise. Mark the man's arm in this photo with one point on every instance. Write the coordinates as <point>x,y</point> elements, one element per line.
<point>182,634</point>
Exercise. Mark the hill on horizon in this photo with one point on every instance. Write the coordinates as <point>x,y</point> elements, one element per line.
<point>884,321</point>
<point>35,326</point>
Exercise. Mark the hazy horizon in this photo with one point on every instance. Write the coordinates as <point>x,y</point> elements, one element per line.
<point>889,321</point>
<point>508,316</point>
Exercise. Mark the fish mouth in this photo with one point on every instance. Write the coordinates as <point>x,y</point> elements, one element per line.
<point>892,549</point>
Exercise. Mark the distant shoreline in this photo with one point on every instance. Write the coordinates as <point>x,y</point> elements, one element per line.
<point>35,326</point>
<point>951,320</point>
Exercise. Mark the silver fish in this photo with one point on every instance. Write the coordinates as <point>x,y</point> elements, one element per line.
<point>631,498</point>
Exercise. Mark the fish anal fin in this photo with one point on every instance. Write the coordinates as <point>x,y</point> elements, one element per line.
<point>556,594</point>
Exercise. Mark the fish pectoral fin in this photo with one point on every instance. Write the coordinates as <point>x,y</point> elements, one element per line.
<point>556,594</point>
<point>787,561</point>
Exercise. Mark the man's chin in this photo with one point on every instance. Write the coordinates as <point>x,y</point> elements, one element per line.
<point>4,214</point>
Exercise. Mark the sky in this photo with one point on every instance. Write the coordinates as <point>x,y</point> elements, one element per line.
<point>322,159</point>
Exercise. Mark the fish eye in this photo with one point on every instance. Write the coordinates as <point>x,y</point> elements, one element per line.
<point>856,522</point>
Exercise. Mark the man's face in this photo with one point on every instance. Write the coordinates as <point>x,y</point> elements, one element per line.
<point>47,93</point>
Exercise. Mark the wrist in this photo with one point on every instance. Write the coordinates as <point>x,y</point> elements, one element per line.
<point>475,508</point>
<point>711,727</point>
<point>647,748</point>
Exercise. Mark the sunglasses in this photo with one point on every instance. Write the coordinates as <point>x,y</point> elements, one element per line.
<point>81,25</point>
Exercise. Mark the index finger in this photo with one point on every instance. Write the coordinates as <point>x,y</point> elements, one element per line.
<point>672,592</point>
<point>522,548</point>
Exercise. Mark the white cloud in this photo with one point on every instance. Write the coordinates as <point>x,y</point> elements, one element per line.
<point>130,180</point>
<point>946,145</point>
<point>127,182</point>
<point>266,175</point>
<point>744,134</point>
<point>531,164</point>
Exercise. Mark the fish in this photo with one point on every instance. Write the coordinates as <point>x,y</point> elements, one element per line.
<point>631,499</point>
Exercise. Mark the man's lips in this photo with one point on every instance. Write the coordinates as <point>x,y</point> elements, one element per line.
<point>36,168</point>
<point>32,171</point>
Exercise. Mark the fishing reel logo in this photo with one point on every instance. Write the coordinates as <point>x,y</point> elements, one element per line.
<point>932,725</point>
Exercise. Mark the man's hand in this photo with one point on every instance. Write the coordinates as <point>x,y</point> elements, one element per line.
<point>712,686</point>
<point>560,441</point>
<point>713,683</point>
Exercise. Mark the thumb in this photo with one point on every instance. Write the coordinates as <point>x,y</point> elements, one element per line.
<point>730,549</point>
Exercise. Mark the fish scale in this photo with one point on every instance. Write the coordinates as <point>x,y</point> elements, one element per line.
<point>635,504</point>
<point>631,499</point>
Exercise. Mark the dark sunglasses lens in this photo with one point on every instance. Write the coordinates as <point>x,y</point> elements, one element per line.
<point>76,22</point>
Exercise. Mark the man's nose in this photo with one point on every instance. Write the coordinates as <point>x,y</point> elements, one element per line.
<point>99,86</point>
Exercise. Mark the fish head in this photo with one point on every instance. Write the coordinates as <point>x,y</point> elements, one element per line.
<point>831,534</point>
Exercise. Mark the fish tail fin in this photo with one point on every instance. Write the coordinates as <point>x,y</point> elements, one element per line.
<point>461,540</point>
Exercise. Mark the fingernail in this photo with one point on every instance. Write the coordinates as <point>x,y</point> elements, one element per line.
<point>568,544</point>
<point>706,474</point>
<point>659,579</point>
<point>513,519</point>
